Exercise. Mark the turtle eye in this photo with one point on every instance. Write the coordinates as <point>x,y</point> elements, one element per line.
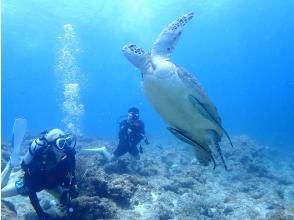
<point>132,46</point>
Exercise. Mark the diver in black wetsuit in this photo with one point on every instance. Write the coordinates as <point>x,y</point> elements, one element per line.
<point>131,132</point>
<point>49,164</point>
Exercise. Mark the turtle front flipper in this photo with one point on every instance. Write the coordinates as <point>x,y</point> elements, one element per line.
<point>167,39</point>
<point>202,153</point>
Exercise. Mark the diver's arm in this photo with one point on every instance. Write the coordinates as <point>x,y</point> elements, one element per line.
<point>36,204</point>
<point>142,127</point>
<point>140,130</point>
<point>73,169</point>
<point>143,133</point>
<point>123,130</point>
<point>72,183</point>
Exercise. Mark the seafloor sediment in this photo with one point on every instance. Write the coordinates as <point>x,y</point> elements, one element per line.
<point>168,183</point>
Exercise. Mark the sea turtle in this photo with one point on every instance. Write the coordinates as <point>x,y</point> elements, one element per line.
<point>176,94</point>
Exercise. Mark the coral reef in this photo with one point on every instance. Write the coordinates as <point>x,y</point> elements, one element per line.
<point>8,211</point>
<point>168,183</point>
<point>93,207</point>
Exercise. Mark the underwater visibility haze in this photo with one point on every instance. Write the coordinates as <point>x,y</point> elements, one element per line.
<point>241,52</point>
<point>63,66</point>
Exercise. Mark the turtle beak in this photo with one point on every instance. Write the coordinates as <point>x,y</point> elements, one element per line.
<point>125,49</point>
<point>135,55</point>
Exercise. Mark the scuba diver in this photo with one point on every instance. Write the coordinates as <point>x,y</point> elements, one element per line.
<point>131,133</point>
<point>49,164</point>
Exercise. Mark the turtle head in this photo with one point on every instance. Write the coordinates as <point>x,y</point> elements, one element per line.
<point>137,56</point>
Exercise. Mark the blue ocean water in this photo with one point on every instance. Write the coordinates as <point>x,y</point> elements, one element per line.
<point>241,52</point>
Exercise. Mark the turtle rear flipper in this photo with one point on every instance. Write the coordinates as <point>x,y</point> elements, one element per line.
<point>203,153</point>
<point>215,142</point>
<point>203,157</point>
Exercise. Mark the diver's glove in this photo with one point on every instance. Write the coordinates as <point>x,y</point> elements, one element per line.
<point>65,200</point>
<point>141,149</point>
<point>65,197</point>
<point>73,191</point>
<point>44,216</point>
<point>68,194</point>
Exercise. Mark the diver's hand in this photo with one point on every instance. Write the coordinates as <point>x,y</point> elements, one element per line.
<point>68,194</point>
<point>141,149</point>
<point>44,216</point>
<point>64,198</point>
<point>146,141</point>
<point>74,191</point>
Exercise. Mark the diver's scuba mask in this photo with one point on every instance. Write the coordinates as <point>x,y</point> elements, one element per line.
<point>66,141</point>
<point>133,116</point>
<point>49,151</point>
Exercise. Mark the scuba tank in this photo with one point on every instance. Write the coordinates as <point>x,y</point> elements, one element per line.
<point>44,155</point>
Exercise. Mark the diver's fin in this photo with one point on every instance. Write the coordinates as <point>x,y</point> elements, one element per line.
<point>19,130</point>
<point>194,101</point>
<point>98,149</point>
<point>5,174</point>
<point>108,156</point>
<point>180,134</point>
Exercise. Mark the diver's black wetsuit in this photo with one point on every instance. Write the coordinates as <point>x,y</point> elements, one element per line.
<point>130,134</point>
<point>36,179</point>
